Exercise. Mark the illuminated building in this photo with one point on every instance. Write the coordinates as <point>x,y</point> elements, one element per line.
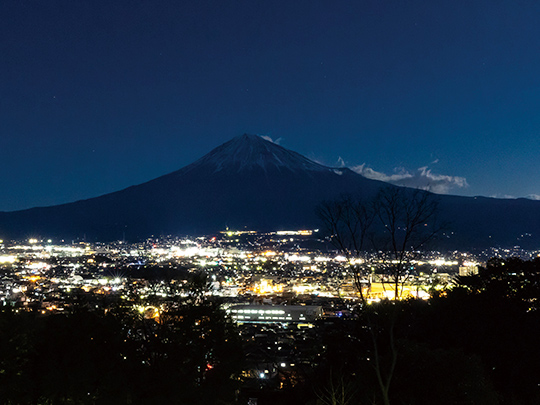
<point>275,313</point>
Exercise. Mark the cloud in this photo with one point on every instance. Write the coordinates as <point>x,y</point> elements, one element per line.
<point>401,174</point>
<point>277,141</point>
<point>535,197</point>
<point>422,178</point>
<point>504,196</point>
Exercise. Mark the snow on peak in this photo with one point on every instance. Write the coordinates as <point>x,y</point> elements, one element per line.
<point>248,151</point>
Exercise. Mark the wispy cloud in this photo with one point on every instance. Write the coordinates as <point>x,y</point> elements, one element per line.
<point>277,141</point>
<point>504,196</point>
<point>535,197</point>
<point>423,178</point>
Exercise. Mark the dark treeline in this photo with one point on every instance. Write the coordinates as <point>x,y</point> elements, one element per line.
<point>92,358</point>
<point>179,351</point>
<point>477,343</point>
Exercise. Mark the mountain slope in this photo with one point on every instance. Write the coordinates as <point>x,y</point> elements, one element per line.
<point>252,183</point>
<point>246,182</point>
<point>247,152</point>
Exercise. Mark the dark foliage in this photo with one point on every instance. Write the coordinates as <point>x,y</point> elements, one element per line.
<point>474,344</point>
<point>186,356</point>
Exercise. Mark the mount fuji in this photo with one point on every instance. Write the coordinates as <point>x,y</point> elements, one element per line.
<point>248,182</point>
<point>251,183</point>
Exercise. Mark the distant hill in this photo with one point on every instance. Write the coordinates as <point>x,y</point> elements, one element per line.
<point>249,182</point>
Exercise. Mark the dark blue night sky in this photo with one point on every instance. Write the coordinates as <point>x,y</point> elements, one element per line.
<point>96,96</point>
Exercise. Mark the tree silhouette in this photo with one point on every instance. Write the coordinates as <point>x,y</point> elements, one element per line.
<point>348,221</point>
<point>395,224</point>
<point>409,221</point>
<point>513,279</point>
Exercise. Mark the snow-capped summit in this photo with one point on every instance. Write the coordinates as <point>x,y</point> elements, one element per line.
<point>251,183</point>
<point>252,151</point>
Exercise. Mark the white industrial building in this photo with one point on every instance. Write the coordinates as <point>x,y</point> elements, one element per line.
<point>275,313</point>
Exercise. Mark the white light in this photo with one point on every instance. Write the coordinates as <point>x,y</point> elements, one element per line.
<point>7,259</point>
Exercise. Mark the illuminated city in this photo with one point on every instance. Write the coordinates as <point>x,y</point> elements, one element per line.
<point>241,266</point>
<point>280,202</point>
<point>283,290</point>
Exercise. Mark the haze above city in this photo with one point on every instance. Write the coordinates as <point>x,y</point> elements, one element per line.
<point>98,96</point>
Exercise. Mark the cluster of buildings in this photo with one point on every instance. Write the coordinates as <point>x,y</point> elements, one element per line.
<point>292,268</point>
<point>280,288</point>
<point>260,277</point>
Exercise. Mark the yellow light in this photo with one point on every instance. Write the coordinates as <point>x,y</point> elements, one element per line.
<point>264,287</point>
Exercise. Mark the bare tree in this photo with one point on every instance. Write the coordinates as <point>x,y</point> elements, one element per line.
<point>338,392</point>
<point>396,224</point>
<point>408,220</point>
<point>348,221</point>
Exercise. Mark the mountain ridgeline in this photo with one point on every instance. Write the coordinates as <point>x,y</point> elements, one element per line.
<point>251,183</point>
